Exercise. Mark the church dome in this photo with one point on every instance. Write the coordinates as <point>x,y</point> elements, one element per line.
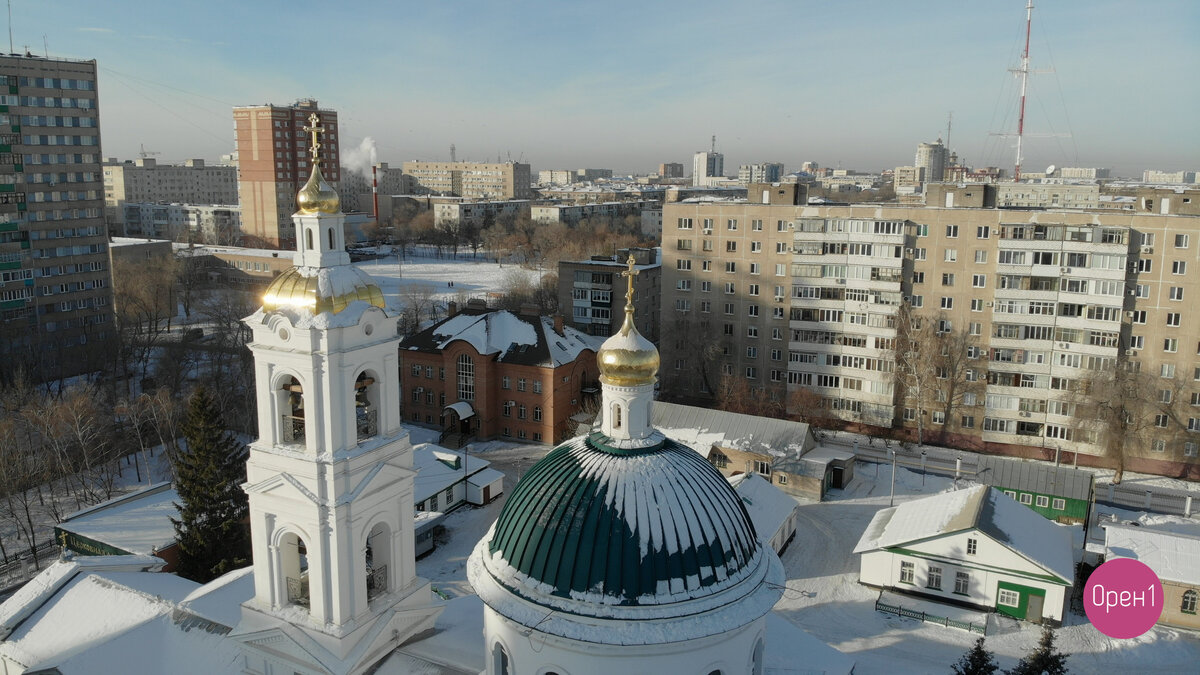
<point>317,196</point>
<point>628,358</point>
<point>324,289</point>
<point>611,526</point>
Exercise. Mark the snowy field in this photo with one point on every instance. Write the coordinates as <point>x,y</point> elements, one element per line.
<point>823,595</point>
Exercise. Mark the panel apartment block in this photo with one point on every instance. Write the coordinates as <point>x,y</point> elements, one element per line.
<point>146,181</point>
<point>805,299</point>
<point>55,295</point>
<point>273,163</point>
<point>508,180</point>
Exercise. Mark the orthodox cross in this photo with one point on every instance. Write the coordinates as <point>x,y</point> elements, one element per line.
<point>315,129</point>
<point>630,273</point>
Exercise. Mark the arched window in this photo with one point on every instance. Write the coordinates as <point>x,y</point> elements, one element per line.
<point>537,413</point>
<point>466,378</point>
<point>616,412</point>
<point>293,558</point>
<point>308,239</point>
<point>499,660</point>
<point>377,555</point>
<point>1188,606</point>
<point>291,412</point>
<point>366,405</point>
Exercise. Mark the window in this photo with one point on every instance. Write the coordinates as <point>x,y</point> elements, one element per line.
<point>1026,498</point>
<point>1158,445</point>
<point>1188,605</point>
<point>947,279</point>
<point>978,280</point>
<point>756,247</point>
<point>731,246</point>
<point>1181,241</point>
<point>976,328</point>
<point>466,378</point>
<point>753,289</point>
<point>950,255</point>
<point>756,225</point>
<point>1059,504</point>
<point>919,254</point>
<point>731,266</point>
<point>947,302</point>
<point>1176,293</point>
<point>980,255</point>
<point>952,231</point>
<point>521,411</point>
<point>537,386</point>
<point>1173,319</point>
<point>521,384</point>
<point>962,581</point>
<point>918,277</point>
<point>507,409</point>
<point>1008,598</point>
<point>972,546</point>
<point>906,572</point>
<point>754,268</point>
<point>976,305</point>
<point>1179,267</point>
<point>1171,345</point>
<point>731,224</point>
<point>781,478</point>
<point>1043,501</point>
<point>935,578</point>
<point>762,468</point>
<point>683,265</point>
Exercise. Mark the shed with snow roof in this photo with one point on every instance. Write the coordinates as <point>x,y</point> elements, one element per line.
<point>975,547</point>
<point>1059,493</point>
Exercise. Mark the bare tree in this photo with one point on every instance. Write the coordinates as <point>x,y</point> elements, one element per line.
<point>143,305</point>
<point>694,344</point>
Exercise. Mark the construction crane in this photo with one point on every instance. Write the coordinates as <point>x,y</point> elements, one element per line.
<point>144,153</point>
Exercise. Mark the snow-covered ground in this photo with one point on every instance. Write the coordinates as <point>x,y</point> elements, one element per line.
<point>823,595</point>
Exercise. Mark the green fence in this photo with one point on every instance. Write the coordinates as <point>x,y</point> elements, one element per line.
<point>881,606</point>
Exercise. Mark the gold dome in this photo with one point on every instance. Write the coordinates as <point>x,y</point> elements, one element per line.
<point>628,359</point>
<point>327,290</point>
<point>317,196</point>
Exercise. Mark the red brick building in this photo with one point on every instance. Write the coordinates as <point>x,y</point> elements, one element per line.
<point>521,376</point>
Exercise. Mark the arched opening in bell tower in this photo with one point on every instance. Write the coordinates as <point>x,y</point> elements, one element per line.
<point>366,404</point>
<point>378,559</point>
<point>290,403</point>
<point>293,568</point>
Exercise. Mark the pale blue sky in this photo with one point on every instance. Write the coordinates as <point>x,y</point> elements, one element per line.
<point>626,85</point>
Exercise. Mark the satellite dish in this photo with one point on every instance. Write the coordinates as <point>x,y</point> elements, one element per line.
<point>1050,170</point>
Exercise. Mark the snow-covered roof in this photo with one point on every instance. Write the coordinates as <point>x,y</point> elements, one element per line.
<point>789,649</point>
<point>1172,556</point>
<point>438,468</point>
<point>767,505</point>
<point>514,338</point>
<point>461,408</point>
<point>454,643</point>
<point>106,615</point>
<point>134,523</point>
<point>135,241</point>
<point>1039,477</point>
<point>702,428</point>
<point>981,508</point>
<point>485,477</point>
<point>198,250</point>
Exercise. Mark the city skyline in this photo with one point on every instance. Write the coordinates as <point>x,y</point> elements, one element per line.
<point>626,87</point>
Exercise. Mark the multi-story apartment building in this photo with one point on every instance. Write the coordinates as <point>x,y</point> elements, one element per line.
<point>571,214</point>
<point>670,170</point>
<point>452,214</point>
<point>1043,302</point>
<point>933,157</point>
<point>707,167</point>
<point>1168,177</point>
<point>273,162</point>
<point>1086,173</point>
<point>611,192</point>
<point>207,223</point>
<point>472,180</point>
<point>766,172</point>
<point>1049,193</point>
<point>587,287</point>
<point>55,290</point>
<point>146,181</point>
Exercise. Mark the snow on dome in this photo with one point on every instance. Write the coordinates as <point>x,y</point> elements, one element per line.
<point>321,289</point>
<point>612,527</point>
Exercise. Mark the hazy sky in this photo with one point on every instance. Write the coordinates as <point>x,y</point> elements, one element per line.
<point>627,85</point>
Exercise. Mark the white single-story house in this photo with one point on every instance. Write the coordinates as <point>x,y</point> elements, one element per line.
<point>773,513</point>
<point>446,479</point>
<point>976,547</point>
<point>1174,557</point>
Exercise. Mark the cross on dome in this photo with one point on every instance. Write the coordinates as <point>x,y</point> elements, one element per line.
<point>630,274</point>
<point>315,130</point>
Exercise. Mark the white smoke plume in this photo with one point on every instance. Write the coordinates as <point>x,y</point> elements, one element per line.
<point>360,159</point>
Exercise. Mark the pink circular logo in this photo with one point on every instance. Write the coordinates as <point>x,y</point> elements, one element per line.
<point>1123,598</point>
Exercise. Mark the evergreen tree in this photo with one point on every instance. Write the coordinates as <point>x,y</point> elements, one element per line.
<point>1046,659</point>
<point>212,530</point>
<point>977,661</point>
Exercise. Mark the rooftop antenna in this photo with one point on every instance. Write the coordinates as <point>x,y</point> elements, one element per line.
<point>10,42</point>
<point>714,144</point>
<point>949,125</point>
<point>1024,70</point>
<point>453,157</point>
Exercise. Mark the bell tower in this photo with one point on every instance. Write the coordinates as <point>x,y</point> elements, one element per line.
<point>330,477</point>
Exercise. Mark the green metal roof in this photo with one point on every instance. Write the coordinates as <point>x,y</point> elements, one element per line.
<point>642,527</point>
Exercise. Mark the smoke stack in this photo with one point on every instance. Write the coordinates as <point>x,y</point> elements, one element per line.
<point>451,309</point>
<point>375,189</point>
<point>558,324</point>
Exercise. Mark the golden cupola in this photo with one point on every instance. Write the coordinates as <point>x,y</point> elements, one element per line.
<point>317,196</point>
<point>628,359</point>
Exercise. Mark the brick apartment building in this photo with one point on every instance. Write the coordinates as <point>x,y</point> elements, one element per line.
<point>488,373</point>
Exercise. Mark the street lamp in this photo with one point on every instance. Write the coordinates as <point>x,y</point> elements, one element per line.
<point>892,496</point>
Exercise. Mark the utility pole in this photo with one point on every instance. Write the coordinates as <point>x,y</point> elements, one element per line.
<point>892,495</point>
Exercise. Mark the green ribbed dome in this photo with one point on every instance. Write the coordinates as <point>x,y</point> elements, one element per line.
<point>645,526</point>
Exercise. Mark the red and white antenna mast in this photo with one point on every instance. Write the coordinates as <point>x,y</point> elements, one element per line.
<point>1024,71</point>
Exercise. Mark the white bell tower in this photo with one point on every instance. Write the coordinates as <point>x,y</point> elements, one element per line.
<point>330,477</point>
